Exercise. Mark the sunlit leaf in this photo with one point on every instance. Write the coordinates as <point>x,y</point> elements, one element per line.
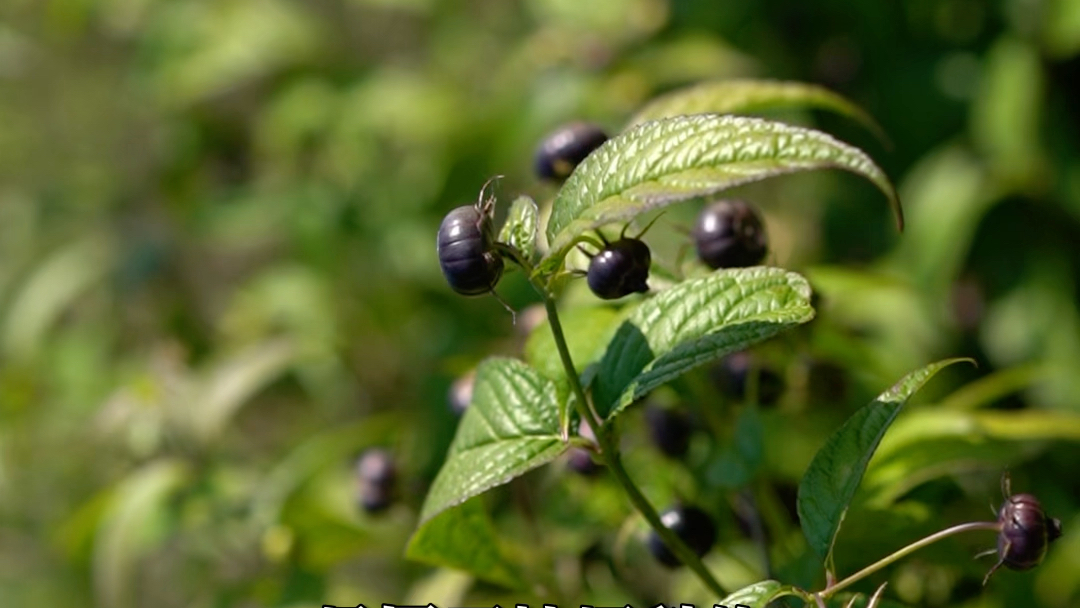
<point>750,97</point>
<point>521,227</point>
<point>675,159</point>
<point>834,474</point>
<point>463,537</point>
<point>695,322</point>
<point>758,595</point>
<point>510,428</point>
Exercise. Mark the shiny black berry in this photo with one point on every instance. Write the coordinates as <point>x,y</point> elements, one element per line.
<point>619,269</point>
<point>563,150</point>
<point>690,524</point>
<point>376,478</point>
<point>730,234</point>
<point>467,256</point>
<point>1026,532</point>
<point>733,376</point>
<point>669,430</point>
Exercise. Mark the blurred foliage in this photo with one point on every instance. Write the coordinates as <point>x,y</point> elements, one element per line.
<point>218,285</point>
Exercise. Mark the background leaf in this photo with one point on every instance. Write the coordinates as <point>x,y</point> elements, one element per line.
<point>511,427</point>
<point>695,322</point>
<point>585,327</point>
<point>751,96</point>
<point>463,537</point>
<point>674,159</point>
<point>521,226</point>
<point>836,470</point>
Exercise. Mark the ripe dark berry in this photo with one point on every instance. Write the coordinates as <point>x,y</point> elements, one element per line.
<point>730,234</point>
<point>690,524</point>
<point>376,477</point>
<point>467,256</point>
<point>669,429</point>
<point>580,460</point>
<point>1025,533</point>
<point>460,394</point>
<point>621,268</point>
<point>563,150</point>
<point>733,378</point>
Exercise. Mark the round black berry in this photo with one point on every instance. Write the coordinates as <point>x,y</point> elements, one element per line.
<point>621,268</point>
<point>467,256</point>
<point>690,524</point>
<point>563,150</point>
<point>1026,532</point>
<point>730,234</point>
<point>376,478</point>
<point>669,429</point>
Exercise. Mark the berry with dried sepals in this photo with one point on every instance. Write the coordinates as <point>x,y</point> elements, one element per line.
<point>376,478</point>
<point>692,525</point>
<point>563,150</point>
<point>466,246</point>
<point>730,234</point>
<point>1026,532</point>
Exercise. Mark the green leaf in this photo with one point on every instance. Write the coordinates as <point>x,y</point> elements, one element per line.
<point>521,227</point>
<point>464,538</point>
<point>693,323</point>
<point>674,159</point>
<point>510,428</point>
<point>749,97</point>
<point>836,470</point>
<point>759,594</point>
<point>585,327</point>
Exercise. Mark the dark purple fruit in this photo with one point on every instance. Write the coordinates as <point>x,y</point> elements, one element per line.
<point>730,234</point>
<point>621,268</point>
<point>562,151</point>
<point>669,429</point>
<point>692,525</point>
<point>467,256</point>
<point>1025,533</point>
<point>376,478</point>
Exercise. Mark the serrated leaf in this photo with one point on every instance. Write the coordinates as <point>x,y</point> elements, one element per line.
<point>834,474</point>
<point>464,538</point>
<point>584,327</point>
<point>521,226</point>
<point>675,159</point>
<point>758,595</point>
<point>752,96</point>
<point>510,428</point>
<point>692,323</point>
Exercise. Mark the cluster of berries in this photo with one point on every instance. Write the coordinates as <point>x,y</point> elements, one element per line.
<point>728,233</point>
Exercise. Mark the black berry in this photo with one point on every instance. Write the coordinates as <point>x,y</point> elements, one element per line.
<point>619,269</point>
<point>563,150</point>
<point>376,478</point>
<point>730,234</point>
<point>692,525</point>
<point>669,429</point>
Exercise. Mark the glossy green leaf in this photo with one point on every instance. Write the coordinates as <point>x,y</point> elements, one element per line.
<point>695,322</point>
<point>758,595</point>
<point>750,97</point>
<point>521,227</point>
<point>674,159</point>
<point>585,327</point>
<point>464,538</point>
<point>510,428</point>
<point>834,474</point>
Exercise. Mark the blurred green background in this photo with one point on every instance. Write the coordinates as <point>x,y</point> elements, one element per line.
<point>218,280</point>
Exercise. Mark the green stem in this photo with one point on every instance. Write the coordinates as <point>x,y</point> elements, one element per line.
<point>609,451</point>
<point>913,547</point>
